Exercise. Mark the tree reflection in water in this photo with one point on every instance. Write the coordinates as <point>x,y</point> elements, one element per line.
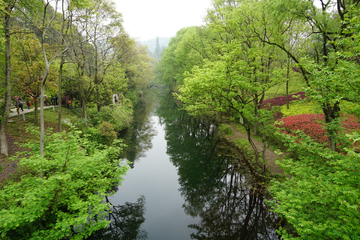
<point>125,222</point>
<point>216,186</point>
<point>238,211</point>
<point>138,137</point>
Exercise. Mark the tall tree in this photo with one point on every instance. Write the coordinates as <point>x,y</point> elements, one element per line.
<point>6,8</point>
<point>103,29</point>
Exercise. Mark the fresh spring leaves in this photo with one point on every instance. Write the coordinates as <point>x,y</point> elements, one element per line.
<point>62,194</point>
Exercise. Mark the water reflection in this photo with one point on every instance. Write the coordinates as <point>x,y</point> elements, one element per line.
<point>138,136</point>
<point>216,187</point>
<point>125,222</point>
<point>237,212</point>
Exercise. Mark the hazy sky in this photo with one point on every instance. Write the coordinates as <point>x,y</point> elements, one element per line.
<point>146,19</point>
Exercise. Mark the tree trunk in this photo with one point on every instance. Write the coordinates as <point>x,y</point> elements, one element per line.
<point>59,94</point>
<point>256,116</point>
<point>84,109</point>
<point>255,150</point>
<point>36,110</point>
<point>331,116</point>
<point>3,140</point>
<point>287,94</point>
<point>287,83</point>
<point>42,126</point>
<point>264,146</point>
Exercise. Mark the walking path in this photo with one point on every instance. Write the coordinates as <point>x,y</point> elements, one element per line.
<point>270,155</point>
<point>13,112</point>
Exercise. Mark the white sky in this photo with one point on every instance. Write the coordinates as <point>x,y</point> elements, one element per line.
<point>147,19</point>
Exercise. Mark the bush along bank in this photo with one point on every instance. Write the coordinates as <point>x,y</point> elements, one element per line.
<point>60,194</point>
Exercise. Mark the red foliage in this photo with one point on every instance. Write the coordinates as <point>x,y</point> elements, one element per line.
<point>279,101</point>
<point>313,125</point>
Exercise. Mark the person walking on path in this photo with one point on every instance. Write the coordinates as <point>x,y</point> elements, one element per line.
<point>56,100</point>
<point>52,100</point>
<point>28,103</point>
<point>21,104</point>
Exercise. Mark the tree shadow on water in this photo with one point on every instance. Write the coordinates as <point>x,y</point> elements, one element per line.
<point>125,222</point>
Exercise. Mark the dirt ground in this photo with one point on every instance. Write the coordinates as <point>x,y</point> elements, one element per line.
<point>270,155</point>
<point>9,166</point>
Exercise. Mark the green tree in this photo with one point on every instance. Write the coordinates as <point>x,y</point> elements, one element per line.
<point>324,27</point>
<point>5,108</point>
<point>186,50</point>
<point>63,191</point>
<point>235,82</point>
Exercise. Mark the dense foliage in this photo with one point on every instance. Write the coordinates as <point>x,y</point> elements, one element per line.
<point>321,198</point>
<point>256,46</point>
<point>62,194</point>
<point>313,125</point>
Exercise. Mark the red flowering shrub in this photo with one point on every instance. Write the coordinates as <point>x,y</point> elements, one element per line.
<point>279,101</point>
<point>313,125</point>
<point>351,122</point>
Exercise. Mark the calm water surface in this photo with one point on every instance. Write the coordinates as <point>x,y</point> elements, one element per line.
<point>184,184</point>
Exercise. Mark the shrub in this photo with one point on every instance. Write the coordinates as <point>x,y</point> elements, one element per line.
<point>93,135</point>
<point>313,125</point>
<point>246,146</point>
<point>279,101</point>
<point>107,133</point>
<point>119,116</point>
<point>321,199</point>
<point>64,196</point>
<point>225,128</point>
<point>300,108</point>
<point>312,107</point>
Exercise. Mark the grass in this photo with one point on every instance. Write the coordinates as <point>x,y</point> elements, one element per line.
<point>297,108</point>
<point>17,129</point>
<point>309,107</point>
<point>296,84</point>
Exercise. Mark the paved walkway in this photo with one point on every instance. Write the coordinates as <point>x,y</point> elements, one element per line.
<point>13,112</point>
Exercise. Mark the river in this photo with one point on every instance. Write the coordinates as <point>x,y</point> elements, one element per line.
<point>184,184</point>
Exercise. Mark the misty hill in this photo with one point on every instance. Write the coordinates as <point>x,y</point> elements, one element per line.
<point>163,42</point>
<point>156,46</point>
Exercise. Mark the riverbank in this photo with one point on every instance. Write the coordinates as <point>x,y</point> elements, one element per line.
<point>271,157</point>
<point>16,134</point>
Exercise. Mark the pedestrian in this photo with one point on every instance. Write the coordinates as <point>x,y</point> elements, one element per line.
<point>56,100</point>
<point>21,104</point>
<point>28,103</point>
<point>52,100</point>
